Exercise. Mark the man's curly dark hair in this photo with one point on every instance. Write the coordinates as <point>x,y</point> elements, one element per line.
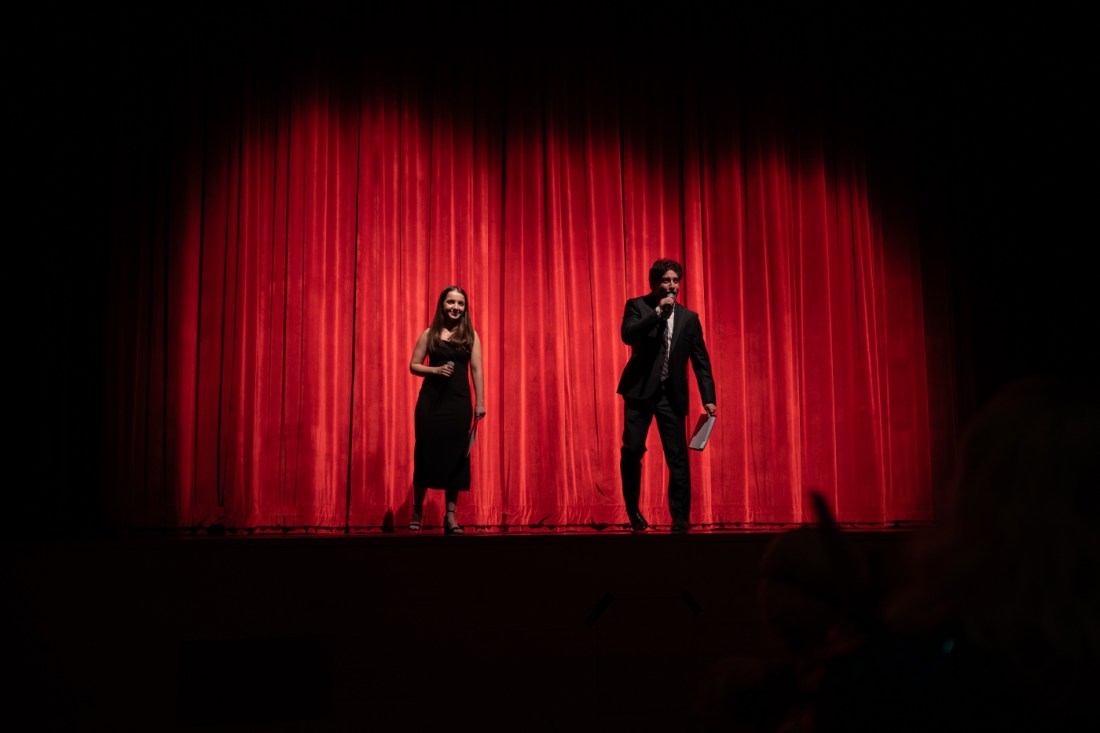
<point>660,267</point>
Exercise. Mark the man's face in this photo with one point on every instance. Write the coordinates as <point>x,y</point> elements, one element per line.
<point>668,283</point>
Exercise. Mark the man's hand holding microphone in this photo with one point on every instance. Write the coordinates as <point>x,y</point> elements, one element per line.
<point>667,304</point>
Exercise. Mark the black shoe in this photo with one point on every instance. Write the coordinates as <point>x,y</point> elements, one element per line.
<point>679,525</point>
<point>451,525</point>
<point>638,522</point>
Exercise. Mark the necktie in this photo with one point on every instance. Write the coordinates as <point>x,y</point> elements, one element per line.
<point>668,345</point>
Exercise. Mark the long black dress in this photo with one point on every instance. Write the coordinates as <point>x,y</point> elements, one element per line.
<point>443,416</point>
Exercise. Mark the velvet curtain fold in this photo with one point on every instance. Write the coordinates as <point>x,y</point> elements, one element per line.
<point>284,243</point>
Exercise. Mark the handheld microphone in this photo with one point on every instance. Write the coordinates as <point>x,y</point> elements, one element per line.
<point>668,308</point>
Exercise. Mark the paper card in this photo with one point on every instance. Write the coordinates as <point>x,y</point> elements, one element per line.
<point>702,431</point>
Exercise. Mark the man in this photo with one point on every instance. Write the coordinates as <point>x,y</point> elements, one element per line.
<point>663,335</point>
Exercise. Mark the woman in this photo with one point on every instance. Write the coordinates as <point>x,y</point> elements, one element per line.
<point>443,407</point>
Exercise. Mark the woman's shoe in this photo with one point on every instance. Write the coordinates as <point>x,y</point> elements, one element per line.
<point>451,525</point>
<point>414,523</point>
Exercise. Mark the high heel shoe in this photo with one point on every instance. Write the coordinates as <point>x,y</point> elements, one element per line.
<point>448,527</point>
<point>414,523</point>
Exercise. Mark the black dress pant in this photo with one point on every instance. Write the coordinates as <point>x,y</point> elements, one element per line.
<point>638,415</point>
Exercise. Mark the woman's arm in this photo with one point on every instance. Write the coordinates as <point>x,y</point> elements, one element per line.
<point>417,365</point>
<point>475,372</point>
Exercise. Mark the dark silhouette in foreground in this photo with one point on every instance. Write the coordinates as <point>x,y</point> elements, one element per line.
<point>992,620</point>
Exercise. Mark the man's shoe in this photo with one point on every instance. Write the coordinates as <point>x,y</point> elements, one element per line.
<point>679,525</point>
<point>638,522</point>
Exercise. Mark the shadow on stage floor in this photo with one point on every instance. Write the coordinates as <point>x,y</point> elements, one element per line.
<point>533,631</point>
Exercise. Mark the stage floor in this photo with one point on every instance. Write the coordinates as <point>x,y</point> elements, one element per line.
<point>435,528</point>
<point>535,630</point>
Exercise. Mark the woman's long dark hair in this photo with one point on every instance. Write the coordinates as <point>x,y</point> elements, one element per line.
<point>463,335</point>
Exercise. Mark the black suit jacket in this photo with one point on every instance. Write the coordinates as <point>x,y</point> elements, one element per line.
<point>643,331</point>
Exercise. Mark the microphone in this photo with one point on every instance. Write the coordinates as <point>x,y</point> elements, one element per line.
<point>666,310</point>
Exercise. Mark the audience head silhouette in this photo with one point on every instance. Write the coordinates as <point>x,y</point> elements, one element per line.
<point>814,587</point>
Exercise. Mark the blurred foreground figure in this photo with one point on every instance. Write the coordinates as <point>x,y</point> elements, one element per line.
<point>997,624</point>
<point>991,622</point>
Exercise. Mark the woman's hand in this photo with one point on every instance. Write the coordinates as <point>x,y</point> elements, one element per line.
<point>446,370</point>
<point>479,412</point>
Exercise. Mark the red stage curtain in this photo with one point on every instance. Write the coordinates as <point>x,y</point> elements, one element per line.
<point>283,242</point>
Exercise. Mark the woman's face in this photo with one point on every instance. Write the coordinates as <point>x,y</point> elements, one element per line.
<point>454,305</point>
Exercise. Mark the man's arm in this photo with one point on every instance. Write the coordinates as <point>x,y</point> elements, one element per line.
<point>700,364</point>
<point>637,322</point>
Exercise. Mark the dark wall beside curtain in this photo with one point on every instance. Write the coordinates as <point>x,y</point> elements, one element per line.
<point>969,134</point>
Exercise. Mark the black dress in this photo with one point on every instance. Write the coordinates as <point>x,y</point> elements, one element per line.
<point>443,416</point>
